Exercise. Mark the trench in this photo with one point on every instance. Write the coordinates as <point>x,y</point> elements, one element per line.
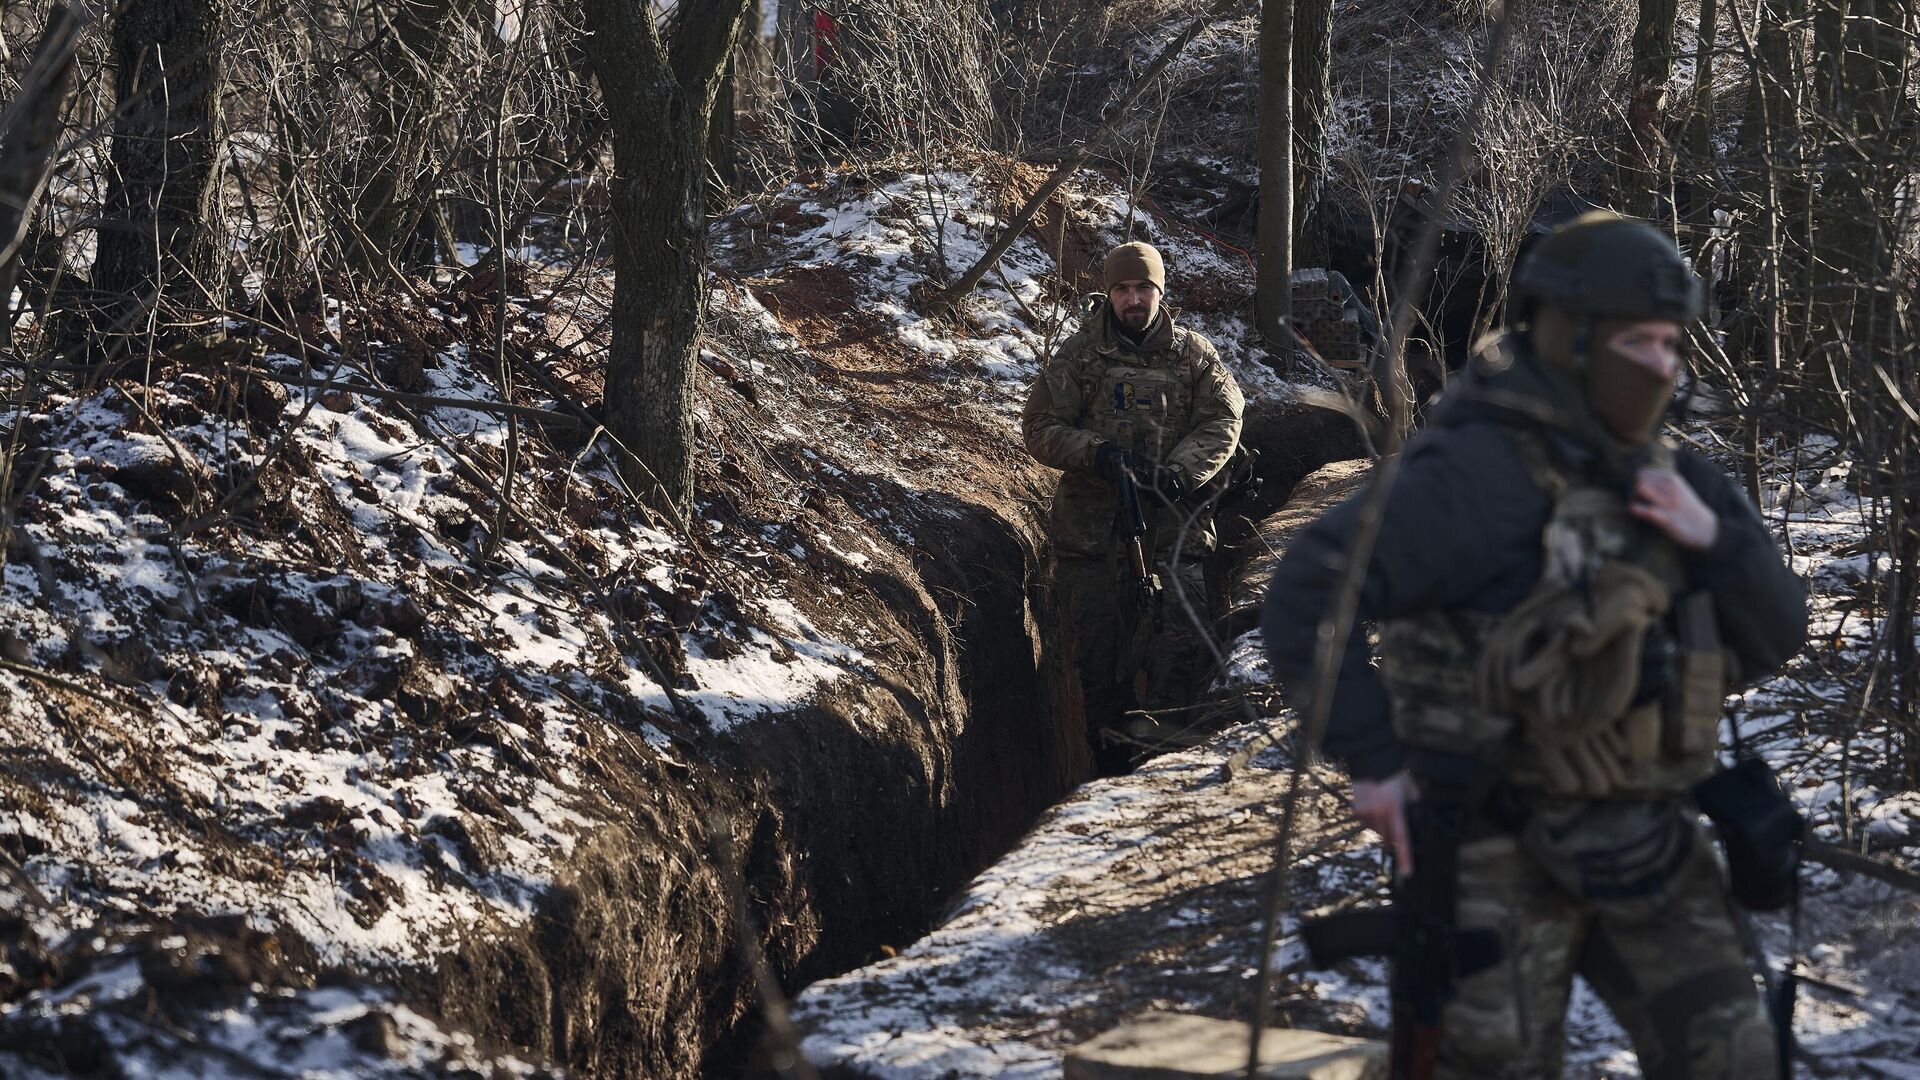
<point>853,819</point>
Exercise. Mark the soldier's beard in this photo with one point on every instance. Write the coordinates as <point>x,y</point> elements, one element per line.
<point>1136,318</point>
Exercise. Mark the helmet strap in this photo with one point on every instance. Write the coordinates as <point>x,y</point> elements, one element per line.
<point>1582,344</point>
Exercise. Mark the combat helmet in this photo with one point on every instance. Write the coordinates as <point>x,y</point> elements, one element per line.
<point>1604,266</point>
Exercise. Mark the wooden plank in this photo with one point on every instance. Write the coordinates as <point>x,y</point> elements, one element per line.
<point>1175,1046</point>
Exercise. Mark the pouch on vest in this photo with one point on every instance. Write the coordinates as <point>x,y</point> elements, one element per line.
<point>1427,664</point>
<point>1760,828</point>
<point>1566,664</point>
<point>1698,695</point>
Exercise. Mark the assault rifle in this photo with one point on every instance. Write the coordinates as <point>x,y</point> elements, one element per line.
<point>1132,527</point>
<point>1418,933</point>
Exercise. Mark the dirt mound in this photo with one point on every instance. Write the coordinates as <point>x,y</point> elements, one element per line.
<point>452,739</point>
<point>315,660</point>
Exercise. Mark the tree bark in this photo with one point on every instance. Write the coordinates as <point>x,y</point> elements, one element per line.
<point>1770,164</point>
<point>423,40</point>
<point>160,233</point>
<point>659,102</point>
<point>1273,286</point>
<point>1642,183</point>
<point>1312,100</point>
<point>1702,173</point>
<point>723,129</point>
<point>27,144</point>
<point>1854,243</point>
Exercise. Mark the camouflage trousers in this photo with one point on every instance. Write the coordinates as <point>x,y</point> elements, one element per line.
<point>1664,957</point>
<point>1125,659</point>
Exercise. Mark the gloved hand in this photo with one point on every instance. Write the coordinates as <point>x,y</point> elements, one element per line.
<point>1169,484</point>
<point>1112,461</point>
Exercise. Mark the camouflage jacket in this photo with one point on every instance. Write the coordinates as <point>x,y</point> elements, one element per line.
<point>1169,400</point>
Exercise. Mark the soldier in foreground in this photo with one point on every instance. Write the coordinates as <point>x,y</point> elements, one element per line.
<point>1139,415</point>
<point>1563,601</point>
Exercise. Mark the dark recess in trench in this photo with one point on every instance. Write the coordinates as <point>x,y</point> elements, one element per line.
<point>855,818</point>
<point>1008,761</point>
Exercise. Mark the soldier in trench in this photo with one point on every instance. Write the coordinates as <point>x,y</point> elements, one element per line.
<point>1132,396</point>
<point>1563,602</point>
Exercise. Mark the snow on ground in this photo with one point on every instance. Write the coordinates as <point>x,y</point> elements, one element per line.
<point>894,231</point>
<point>277,655</point>
<point>276,663</point>
<point>326,1033</point>
<point>1121,896</point>
<point>266,688</point>
<point>1139,893</point>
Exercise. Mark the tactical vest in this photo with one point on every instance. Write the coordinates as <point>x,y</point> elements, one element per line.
<point>1432,663</point>
<point>1143,406</point>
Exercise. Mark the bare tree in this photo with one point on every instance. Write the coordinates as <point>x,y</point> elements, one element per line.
<point>1296,40</point>
<point>161,239</point>
<point>1312,99</point>
<point>28,128</point>
<point>660,76</point>
<point>1704,176</point>
<point>420,47</point>
<point>1273,290</point>
<point>1647,80</point>
<point>1069,165</point>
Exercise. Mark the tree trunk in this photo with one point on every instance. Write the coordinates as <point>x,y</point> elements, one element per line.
<point>659,103</point>
<point>659,255</point>
<point>1312,99</point>
<point>26,149</point>
<point>1273,288</point>
<point>423,39</point>
<point>161,238</point>
<point>1642,183</point>
<point>1702,175</point>
<point>1772,174</point>
<point>1854,250</point>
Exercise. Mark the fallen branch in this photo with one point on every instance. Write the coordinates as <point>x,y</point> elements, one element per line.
<point>1851,862</point>
<point>498,408</point>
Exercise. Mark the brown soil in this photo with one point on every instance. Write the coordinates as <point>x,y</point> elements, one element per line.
<point>1077,247</point>
<point>889,501</point>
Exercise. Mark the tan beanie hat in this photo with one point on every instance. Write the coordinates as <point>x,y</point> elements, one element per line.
<point>1133,261</point>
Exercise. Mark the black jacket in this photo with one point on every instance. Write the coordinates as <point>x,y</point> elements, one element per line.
<point>1462,530</point>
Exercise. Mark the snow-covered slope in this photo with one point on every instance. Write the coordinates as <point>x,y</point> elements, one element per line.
<point>324,703</point>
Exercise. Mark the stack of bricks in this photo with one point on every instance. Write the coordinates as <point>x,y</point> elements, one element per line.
<point>1320,315</point>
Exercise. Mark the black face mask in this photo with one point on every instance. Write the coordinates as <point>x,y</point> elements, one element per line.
<point>1628,397</point>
